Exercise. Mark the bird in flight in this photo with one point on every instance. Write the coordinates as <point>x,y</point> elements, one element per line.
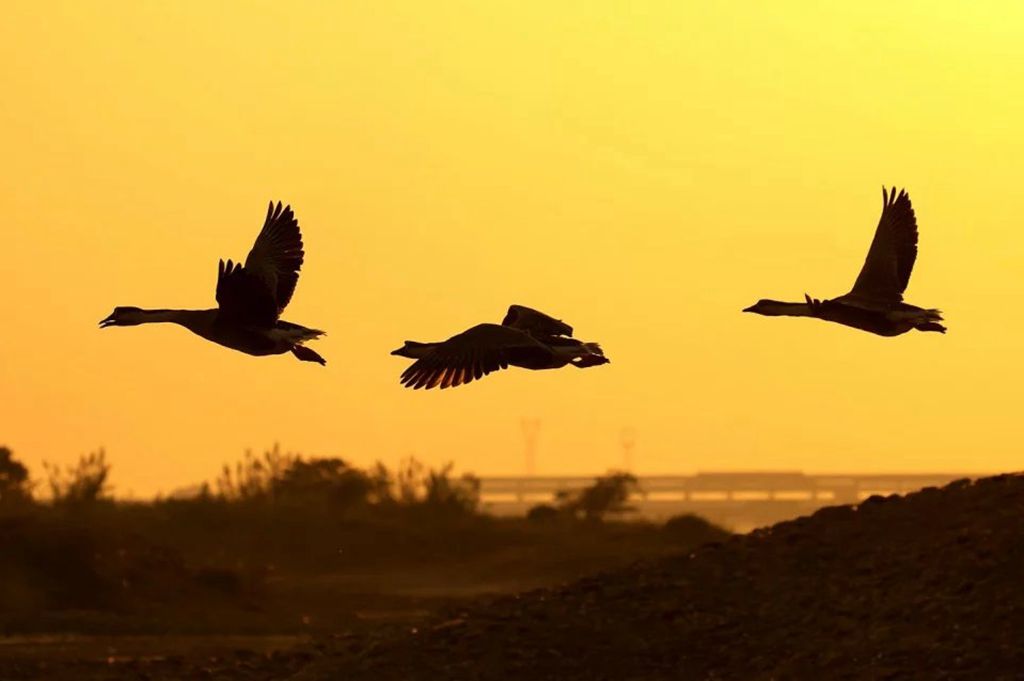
<point>526,338</point>
<point>250,297</point>
<point>876,302</point>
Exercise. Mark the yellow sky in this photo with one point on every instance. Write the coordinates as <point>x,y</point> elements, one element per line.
<point>641,170</point>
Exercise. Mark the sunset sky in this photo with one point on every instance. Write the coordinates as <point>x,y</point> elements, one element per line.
<point>641,170</point>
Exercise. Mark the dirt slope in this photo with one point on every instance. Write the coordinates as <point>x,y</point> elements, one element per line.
<point>928,586</point>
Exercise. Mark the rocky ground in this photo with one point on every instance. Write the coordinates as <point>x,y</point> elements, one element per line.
<point>927,586</point>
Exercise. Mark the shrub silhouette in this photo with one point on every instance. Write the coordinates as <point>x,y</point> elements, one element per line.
<point>453,496</point>
<point>328,484</point>
<point>332,485</point>
<point>253,477</point>
<point>544,513</point>
<point>426,490</point>
<point>608,495</point>
<point>83,483</point>
<point>281,514</point>
<point>15,488</point>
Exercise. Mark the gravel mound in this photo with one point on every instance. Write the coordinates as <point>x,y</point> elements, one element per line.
<point>927,586</point>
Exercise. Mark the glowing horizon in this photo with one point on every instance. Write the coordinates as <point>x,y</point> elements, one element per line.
<point>641,173</point>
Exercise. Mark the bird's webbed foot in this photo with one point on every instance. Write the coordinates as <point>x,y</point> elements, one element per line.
<point>307,355</point>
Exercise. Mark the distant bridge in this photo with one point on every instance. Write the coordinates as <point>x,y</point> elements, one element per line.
<point>740,500</point>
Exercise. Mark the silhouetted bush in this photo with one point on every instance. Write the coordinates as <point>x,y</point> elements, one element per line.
<point>544,513</point>
<point>284,514</point>
<point>83,483</point>
<point>444,494</point>
<point>330,485</point>
<point>253,477</point>
<point>15,488</point>
<point>608,495</point>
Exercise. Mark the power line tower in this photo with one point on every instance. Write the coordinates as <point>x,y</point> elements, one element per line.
<point>531,434</point>
<point>627,439</point>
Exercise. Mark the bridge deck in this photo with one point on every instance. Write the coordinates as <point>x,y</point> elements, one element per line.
<point>741,499</point>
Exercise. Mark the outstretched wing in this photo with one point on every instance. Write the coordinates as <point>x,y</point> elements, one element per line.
<point>244,298</point>
<point>276,257</point>
<point>469,356</point>
<point>535,322</point>
<point>258,292</point>
<point>890,260</point>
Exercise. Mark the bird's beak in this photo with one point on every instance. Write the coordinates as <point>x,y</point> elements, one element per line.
<point>104,323</point>
<point>749,309</point>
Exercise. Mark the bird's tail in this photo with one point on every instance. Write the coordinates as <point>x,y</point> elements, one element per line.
<point>296,333</point>
<point>925,320</point>
<point>591,356</point>
<point>931,322</point>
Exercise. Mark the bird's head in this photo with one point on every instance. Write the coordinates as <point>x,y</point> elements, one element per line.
<point>123,316</point>
<point>765,307</point>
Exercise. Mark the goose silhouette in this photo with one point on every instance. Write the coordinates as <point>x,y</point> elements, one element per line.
<point>875,303</point>
<point>526,338</point>
<point>250,298</point>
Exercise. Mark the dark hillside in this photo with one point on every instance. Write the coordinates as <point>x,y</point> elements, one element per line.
<point>926,586</point>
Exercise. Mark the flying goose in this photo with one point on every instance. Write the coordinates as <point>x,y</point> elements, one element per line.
<point>876,302</point>
<point>526,338</point>
<point>250,298</point>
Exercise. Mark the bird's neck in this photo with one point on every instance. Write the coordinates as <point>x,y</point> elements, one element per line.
<point>190,319</point>
<point>780,309</point>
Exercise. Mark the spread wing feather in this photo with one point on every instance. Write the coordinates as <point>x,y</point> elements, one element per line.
<point>890,260</point>
<point>258,292</point>
<point>242,297</point>
<point>467,357</point>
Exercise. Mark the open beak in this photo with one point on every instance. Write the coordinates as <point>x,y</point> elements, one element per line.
<point>109,321</point>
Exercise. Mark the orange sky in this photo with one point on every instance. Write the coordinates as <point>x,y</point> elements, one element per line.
<point>642,173</point>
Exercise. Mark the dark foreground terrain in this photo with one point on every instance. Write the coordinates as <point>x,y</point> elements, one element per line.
<point>84,596</point>
<point>927,586</point>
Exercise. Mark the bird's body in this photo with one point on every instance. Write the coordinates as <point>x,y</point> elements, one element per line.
<point>524,340</point>
<point>880,319</point>
<point>209,324</point>
<point>250,298</point>
<point>876,302</point>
